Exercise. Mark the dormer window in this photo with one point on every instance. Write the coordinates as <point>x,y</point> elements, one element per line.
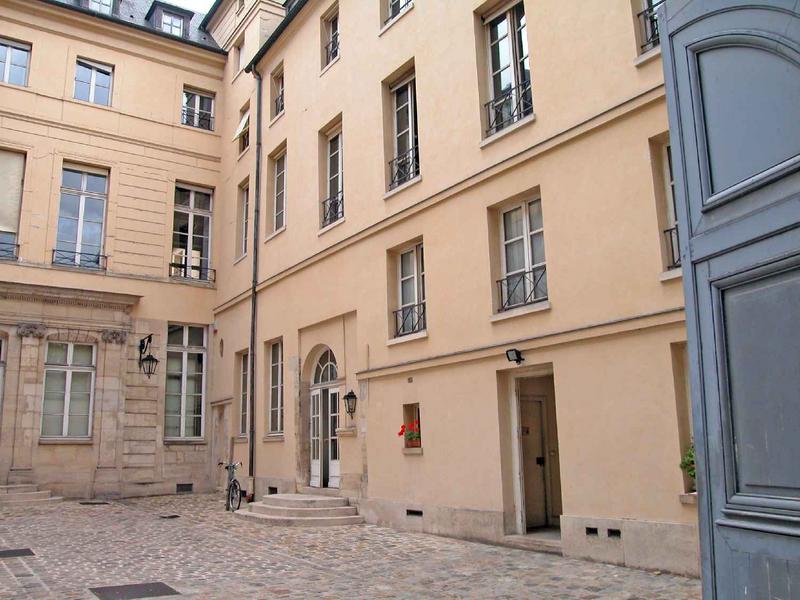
<point>101,6</point>
<point>172,24</point>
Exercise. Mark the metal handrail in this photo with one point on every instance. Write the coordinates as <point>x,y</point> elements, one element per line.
<point>84,260</point>
<point>673,247</point>
<point>404,168</point>
<point>332,209</point>
<point>648,24</point>
<point>202,119</point>
<point>396,7</point>
<point>183,270</point>
<point>332,49</point>
<point>409,319</point>
<point>523,288</point>
<point>509,107</point>
<point>279,103</point>
<point>9,251</point>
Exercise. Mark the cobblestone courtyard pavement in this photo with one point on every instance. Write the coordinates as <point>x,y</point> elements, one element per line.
<point>207,553</point>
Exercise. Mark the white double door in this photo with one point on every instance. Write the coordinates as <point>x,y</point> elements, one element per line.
<point>325,471</point>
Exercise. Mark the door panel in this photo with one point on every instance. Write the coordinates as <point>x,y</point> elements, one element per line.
<point>334,472</point>
<point>316,446</point>
<point>533,460</point>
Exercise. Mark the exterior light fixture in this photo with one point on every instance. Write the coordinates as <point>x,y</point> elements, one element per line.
<point>350,403</point>
<point>514,355</point>
<point>148,364</point>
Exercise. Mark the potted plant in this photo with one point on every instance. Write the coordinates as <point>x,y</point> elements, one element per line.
<point>412,434</point>
<point>688,465</point>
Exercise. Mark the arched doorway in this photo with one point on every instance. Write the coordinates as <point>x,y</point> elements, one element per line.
<point>324,421</point>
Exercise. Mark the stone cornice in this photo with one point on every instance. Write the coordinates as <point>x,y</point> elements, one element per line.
<point>45,294</point>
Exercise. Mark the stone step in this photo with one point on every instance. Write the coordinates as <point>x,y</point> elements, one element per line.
<point>24,496</point>
<point>282,511</point>
<point>19,487</point>
<point>303,501</point>
<point>299,521</point>
<point>532,543</point>
<point>25,501</point>
<point>312,491</point>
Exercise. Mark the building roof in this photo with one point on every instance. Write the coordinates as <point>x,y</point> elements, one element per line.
<point>295,6</point>
<point>135,13</point>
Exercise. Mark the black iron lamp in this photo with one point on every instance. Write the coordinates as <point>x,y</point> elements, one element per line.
<point>514,355</point>
<point>147,362</point>
<point>350,403</point>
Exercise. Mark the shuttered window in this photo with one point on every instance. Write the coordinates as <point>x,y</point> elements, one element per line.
<point>12,170</point>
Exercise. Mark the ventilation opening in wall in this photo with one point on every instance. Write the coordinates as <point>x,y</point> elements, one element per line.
<point>614,533</point>
<point>413,512</point>
<point>183,488</point>
<point>591,531</point>
<point>272,490</point>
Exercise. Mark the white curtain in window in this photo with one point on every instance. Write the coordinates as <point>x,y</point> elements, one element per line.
<point>12,168</point>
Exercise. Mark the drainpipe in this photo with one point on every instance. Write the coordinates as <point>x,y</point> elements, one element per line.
<point>253,299</point>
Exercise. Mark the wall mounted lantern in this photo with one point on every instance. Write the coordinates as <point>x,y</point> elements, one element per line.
<point>147,362</point>
<point>350,403</point>
<point>514,355</point>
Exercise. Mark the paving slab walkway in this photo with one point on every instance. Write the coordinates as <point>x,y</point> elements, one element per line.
<point>207,553</point>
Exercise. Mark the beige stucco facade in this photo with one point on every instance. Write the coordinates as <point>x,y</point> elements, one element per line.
<point>603,349</point>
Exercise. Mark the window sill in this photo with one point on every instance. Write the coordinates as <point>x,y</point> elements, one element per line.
<point>395,19</point>
<point>240,439</point>
<point>420,335</point>
<point>194,282</point>
<point>77,269</point>
<point>400,188</point>
<point>508,130</point>
<point>242,154</point>
<point>61,441</point>
<point>689,498</point>
<point>198,129</point>
<point>327,228</point>
<point>240,259</point>
<point>412,451</point>
<point>648,56</point>
<point>94,105</point>
<point>184,442</point>
<point>273,438</point>
<point>276,117</point>
<point>14,85</point>
<point>520,311</point>
<point>671,274</point>
<point>327,67</point>
<point>346,431</point>
<point>275,233</point>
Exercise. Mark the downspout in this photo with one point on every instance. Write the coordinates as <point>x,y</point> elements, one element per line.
<point>253,299</point>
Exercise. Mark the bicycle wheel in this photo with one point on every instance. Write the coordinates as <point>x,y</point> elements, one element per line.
<point>234,496</point>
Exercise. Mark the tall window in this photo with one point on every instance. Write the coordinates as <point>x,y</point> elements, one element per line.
<point>198,110</point>
<point>410,317</point>
<point>277,93</point>
<point>68,389</point>
<point>243,392</point>
<point>81,215</point>
<point>101,6</point>
<point>333,205</point>
<point>12,171</point>
<point>243,220</point>
<point>395,7</point>
<point>509,69</point>
<point>280,193</point>
<point>524,268</point>
<point>14,59</point>
<point>191,234</point>
<point>243,130</point>
<point>172,24</point>
<point>405,165</point>
<point>648,25</point>
<point>332,36</point>
<point>93,82</point>
<point>186,372</point>
<point>276,387</point>
<point>671,241</point>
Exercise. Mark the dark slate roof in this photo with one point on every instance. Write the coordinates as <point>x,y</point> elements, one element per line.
<point>134,13</point>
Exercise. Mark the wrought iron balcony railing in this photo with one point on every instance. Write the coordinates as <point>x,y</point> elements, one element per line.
<point>197,118</point>
<point>279,104</point>
<point>409,319</point>
<point>396,7</point>
<point>404,168</point>
<point>508,108</point>
<point>9,251</point>
<point>673,247</point>
<point>183,270</point>
<point>523,288</point>
<point>332,49</point>
<point>648,26</point>
<point>332,209</point>
<point>84,260</point>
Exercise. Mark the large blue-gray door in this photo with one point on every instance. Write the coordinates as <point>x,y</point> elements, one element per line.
<point>732,72</point>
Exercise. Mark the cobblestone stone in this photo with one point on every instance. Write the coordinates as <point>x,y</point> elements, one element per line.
<point>207,553</point>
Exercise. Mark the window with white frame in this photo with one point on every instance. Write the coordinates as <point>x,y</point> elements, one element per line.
<point>81,217</point>
<point>68,389</point>
<point>276,387</point>
<point>279,210</point>
<point>396,7</point>
<point>198,110</point>
<point>672,246</point>
<point>172,24</point>
<point>405,165</point>
<point>331,24</point>
<point>186,373</point>
<point>410,316</point>
<point>243,392</point>
<point>12,173</point>
<point>191,233</point>
<point>101,6</point>
<point>333,205</point>
<point>93,82</point>
<point>277,93</point>
<point>509,69</point>
<point>524,268</point>
<point>14,60</point>
<point>241,55</point>
<point>243,220</point>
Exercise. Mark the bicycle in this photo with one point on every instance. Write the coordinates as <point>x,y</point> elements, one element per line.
<point>233,493</point>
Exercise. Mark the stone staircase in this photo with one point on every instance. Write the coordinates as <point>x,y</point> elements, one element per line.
<point>303,510</point>
<point>21,494</point>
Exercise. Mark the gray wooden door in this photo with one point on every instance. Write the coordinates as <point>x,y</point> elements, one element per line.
<point>732,72</point>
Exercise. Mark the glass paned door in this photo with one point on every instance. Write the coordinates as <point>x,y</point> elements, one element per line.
<point>316,446</point>
<point>334,472</point>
